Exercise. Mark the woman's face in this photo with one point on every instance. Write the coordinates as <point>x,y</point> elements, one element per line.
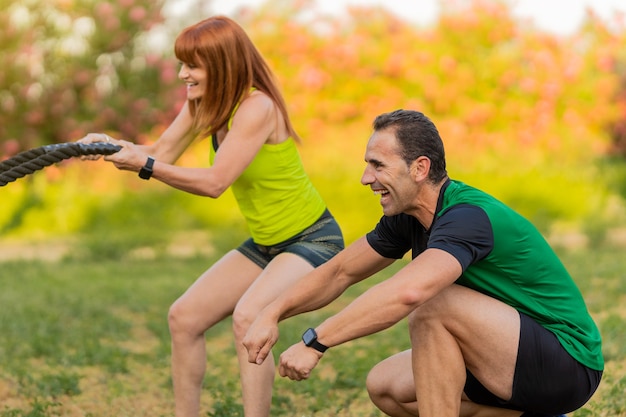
<point>195,78</point>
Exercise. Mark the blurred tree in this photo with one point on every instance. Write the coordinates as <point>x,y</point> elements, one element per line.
<point>524,114</point>
<point>75,66</point>
<point>494,86</point>
<point>618,128</point>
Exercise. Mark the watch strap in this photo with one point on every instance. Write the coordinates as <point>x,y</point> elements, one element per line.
<point>318,346</point>
<point>146,171</point>
<point>310,339</point>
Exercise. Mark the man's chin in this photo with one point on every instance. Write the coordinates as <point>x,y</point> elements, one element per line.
<point>387,211</point>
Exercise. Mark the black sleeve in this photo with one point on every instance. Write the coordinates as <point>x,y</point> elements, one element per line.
<point>465,232</point>
<point>390,237</point>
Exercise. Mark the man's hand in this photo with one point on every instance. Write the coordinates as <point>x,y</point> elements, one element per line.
<point>260,338</point>
<point>297,362</point>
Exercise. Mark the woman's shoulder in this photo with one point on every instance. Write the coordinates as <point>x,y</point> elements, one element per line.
<point>258,109</point>
<point>258,102</point>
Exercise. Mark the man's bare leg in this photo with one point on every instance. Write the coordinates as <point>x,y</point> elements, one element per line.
<point>459,328</point>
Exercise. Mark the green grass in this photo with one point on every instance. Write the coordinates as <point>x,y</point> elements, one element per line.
<point>87,336</point>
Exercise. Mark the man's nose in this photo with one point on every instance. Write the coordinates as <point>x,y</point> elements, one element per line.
<point>367,177</point>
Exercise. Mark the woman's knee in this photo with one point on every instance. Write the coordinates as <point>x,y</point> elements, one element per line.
<point>183,320</point>
<point>243,317</point>
<point>176,316</point>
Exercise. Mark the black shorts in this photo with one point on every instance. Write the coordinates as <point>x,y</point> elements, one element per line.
<point>316,244</point>
<point>547,379</point>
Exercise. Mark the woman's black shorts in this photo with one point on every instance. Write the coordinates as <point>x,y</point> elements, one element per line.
<point>316,244</point>
<point>547,381</point>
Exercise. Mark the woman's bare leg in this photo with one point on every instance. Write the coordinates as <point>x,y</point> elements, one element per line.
<point>208,301</point>
<point>257,380</point>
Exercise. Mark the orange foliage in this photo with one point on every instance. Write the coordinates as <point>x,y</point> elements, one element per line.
<point>491,85</point>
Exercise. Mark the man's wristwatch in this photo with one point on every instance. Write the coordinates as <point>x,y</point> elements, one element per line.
<point>310,339</point>
<point>146,171</point>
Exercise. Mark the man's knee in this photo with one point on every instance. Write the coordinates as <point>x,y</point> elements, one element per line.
<point>434,310</point>
<point>376,383</point>
<point>390,384</point>
<point>449,307</point>
<point>379,388</point>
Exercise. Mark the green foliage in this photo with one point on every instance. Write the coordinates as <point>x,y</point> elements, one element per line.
<point>613,403</point>
<point>613,171</point>
<point>226,404</point>
<point>56,384</point>
<point>613,329</point>
<point>68,335</point>
<point>38,408</point>
<point>43,207</point>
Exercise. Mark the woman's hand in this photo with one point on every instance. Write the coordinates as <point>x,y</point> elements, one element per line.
<point>130,158</point>
<point>95,138</point>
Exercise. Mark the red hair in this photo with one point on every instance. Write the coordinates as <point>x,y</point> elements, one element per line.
<point>233,65</point>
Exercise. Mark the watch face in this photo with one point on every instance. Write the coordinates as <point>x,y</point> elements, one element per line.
<point>309,337</point>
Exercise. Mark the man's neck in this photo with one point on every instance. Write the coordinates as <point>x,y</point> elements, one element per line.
<point>427,206</point>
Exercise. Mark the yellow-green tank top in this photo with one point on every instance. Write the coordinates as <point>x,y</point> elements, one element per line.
<point>275,195</point>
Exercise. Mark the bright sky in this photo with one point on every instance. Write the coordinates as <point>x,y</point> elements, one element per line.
<point>557,16</point>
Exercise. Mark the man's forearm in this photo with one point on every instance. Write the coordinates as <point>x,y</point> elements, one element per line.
<point>314,291</point>
<point>328,281</point>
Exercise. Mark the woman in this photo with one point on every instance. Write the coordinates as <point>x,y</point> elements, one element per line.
<point>233,99</point>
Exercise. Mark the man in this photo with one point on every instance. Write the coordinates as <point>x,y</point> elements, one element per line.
<point>497,325</point>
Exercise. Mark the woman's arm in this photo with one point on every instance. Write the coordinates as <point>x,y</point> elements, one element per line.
<point>174,140</point>
<point>254,122</point>
<point>168,147</point>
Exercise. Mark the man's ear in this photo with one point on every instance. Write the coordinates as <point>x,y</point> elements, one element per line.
<point>420,168</point>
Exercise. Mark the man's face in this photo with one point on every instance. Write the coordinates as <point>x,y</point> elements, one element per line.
<point>388,175</point>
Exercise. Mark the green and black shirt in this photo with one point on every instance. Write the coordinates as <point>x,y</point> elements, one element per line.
<point>502,255</point>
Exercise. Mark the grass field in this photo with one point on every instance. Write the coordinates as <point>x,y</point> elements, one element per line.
<point>87,336</point>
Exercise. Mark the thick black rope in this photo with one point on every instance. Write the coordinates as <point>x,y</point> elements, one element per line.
<point>27,162</point>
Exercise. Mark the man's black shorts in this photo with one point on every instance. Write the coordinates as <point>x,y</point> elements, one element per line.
<point>547,379</point>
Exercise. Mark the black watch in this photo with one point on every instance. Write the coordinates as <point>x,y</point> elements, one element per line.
<point>310,339</point>
<point>146,171</point>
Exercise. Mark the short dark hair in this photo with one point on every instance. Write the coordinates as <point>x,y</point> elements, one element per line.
<point>417,136</point>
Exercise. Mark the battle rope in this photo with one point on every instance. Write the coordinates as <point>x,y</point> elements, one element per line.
<point>27,162</point>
